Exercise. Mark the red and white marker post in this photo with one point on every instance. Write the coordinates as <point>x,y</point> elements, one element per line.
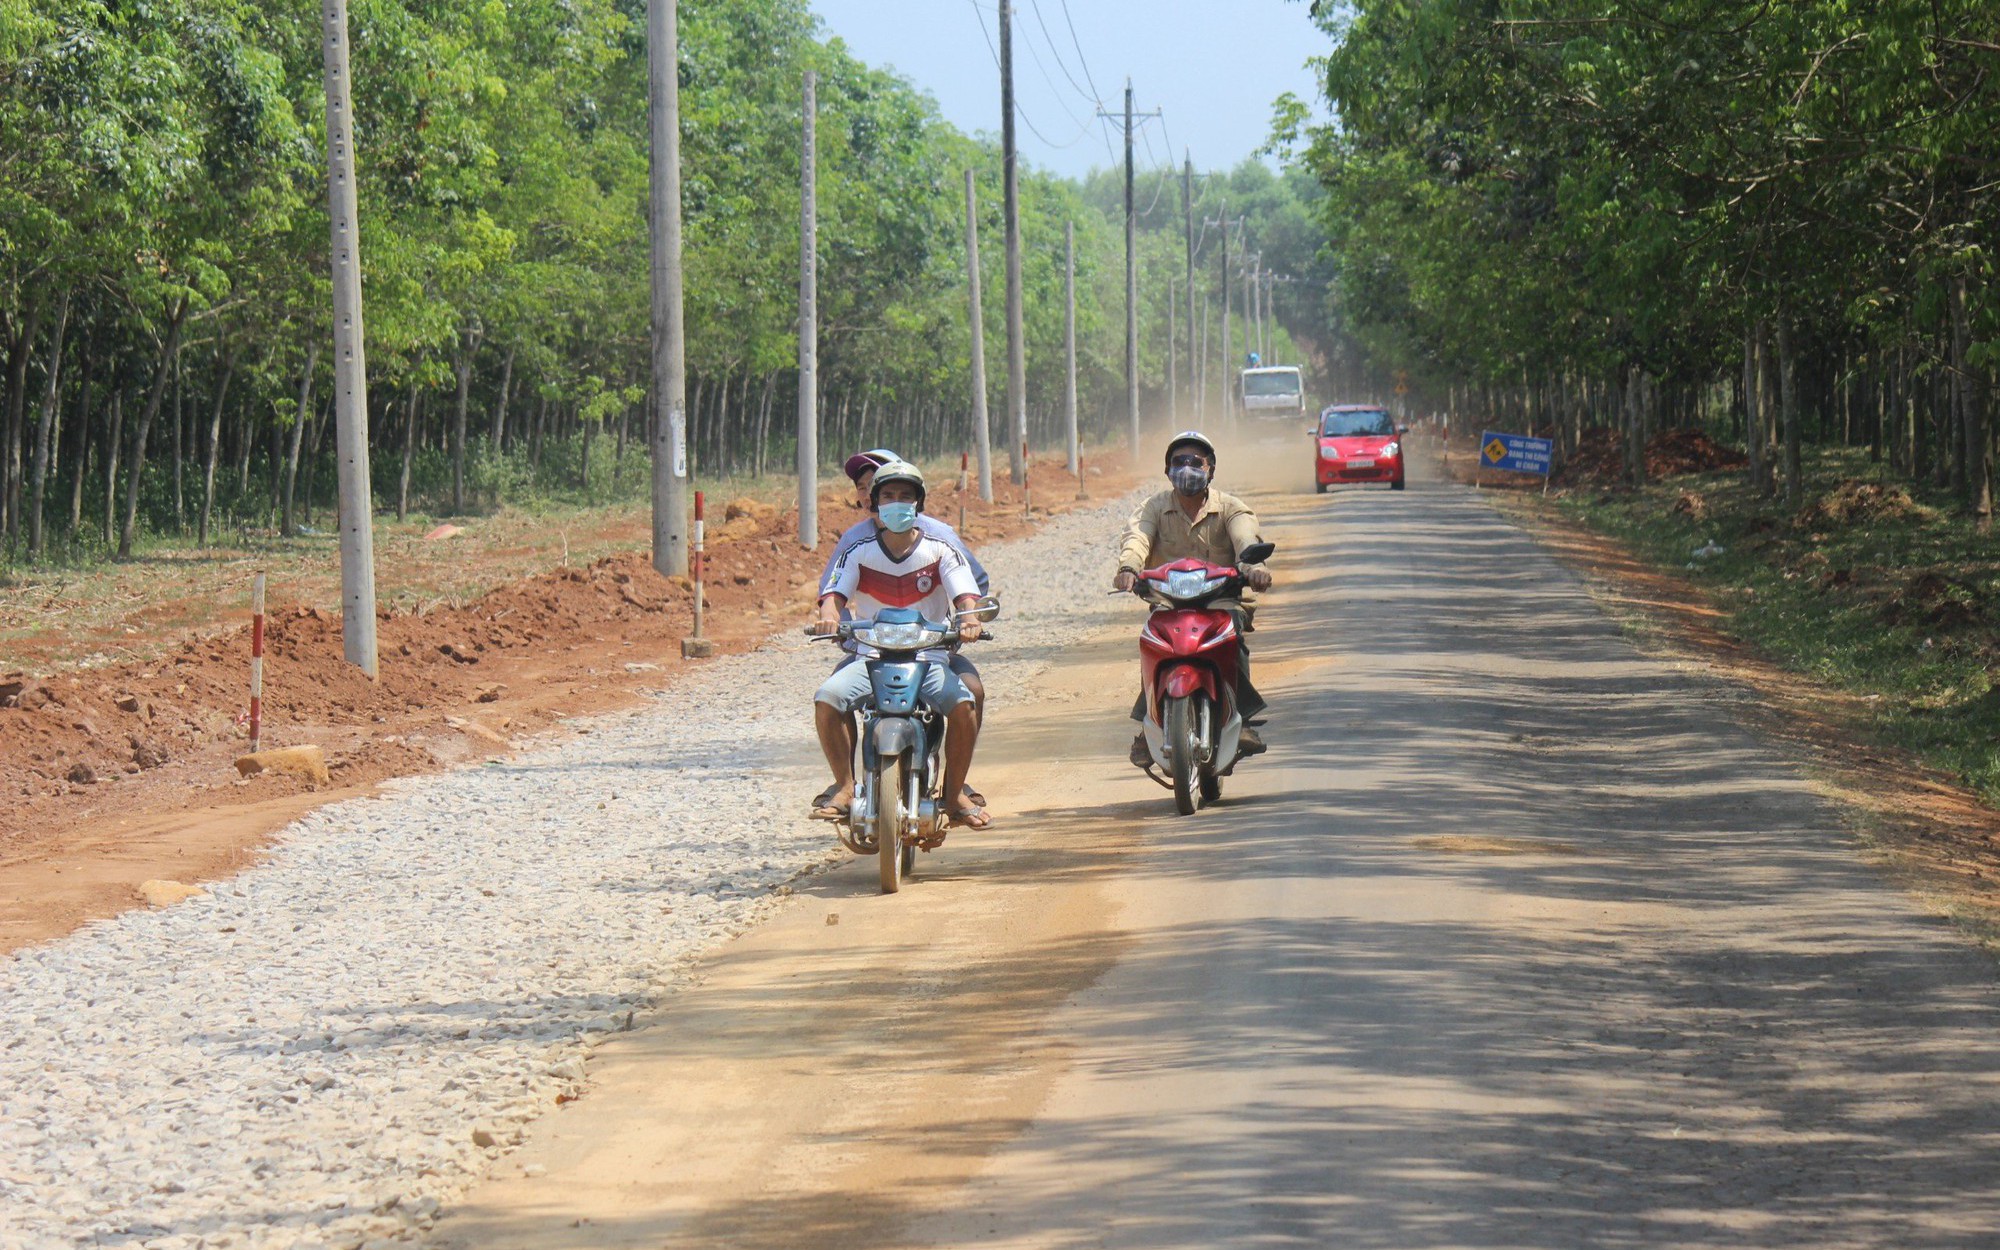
<point>697,646</point>
<point>256,662</point>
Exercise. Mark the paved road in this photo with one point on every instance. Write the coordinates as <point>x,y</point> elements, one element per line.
<point>1515,939</point>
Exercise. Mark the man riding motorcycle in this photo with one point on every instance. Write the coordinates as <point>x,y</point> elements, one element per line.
<point>861,468</point>
<point>902,568</point>
<point>1193,520</point>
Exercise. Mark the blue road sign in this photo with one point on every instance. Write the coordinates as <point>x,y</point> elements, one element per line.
<point>1518,452</point>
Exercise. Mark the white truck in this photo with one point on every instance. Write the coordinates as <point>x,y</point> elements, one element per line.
<point>1274,393</point>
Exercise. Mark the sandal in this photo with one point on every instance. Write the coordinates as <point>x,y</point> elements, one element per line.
<point>972,796</point>
<point>824,808</point>
<point>970,818</point>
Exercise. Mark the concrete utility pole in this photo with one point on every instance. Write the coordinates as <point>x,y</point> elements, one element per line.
<point>1228,405</point>
<point>1173,366</point>
<point>1201,379</point>
<point>1187,219</point>
<point>1253,316</point>
<point>809,320</point>
<point>982,430</point>
<point>1069,349</point>
<point>350,365</point>
<point>670,461</point>
<point>1010,191</point>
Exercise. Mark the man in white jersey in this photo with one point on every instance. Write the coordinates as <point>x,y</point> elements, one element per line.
<point>901,568</point>
<point>861,468</point>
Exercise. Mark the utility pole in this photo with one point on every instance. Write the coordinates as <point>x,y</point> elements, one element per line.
<point>1187,219</point>
<point>670,461</point>
<point>1201,380</point>
<point>1069,351</point>
<point>1173,365</point>
<point>809,319</point>
<point>982,432</point>
<point>1228,408</point>
<point>1131,277</point>
<point>1010,191</point>
<point>1253,317</point>
<point>350,365</point>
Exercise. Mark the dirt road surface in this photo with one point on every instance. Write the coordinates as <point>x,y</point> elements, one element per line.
<point>1515,939</point>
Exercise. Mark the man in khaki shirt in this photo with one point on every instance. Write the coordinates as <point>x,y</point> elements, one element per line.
<point>1195,520</point>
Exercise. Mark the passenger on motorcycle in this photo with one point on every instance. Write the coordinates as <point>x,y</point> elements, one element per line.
<point>1194,520</point>
<point>901,567</point>
<point>861,468</point>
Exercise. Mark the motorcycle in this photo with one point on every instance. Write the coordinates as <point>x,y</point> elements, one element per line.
<point>899,743</point>
<point>1189,663</point>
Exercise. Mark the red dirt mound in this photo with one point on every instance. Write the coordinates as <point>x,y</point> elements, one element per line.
<point>1853,501</point>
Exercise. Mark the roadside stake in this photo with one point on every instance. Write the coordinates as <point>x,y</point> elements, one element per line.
<point>697,647</point>
<point>256,662</point>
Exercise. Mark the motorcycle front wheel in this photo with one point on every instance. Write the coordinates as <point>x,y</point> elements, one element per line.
<point>1180,725</point>
<point>888,783</point>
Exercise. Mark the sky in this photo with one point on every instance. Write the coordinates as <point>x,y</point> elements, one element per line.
<point>1212,67</point>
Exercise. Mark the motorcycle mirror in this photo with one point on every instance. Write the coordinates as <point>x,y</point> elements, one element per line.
<point>1256,553</point>
<point>987,608</point>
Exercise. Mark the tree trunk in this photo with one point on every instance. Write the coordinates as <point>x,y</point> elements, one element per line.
<point>168,355</point>
<point>18,353</point>
<point>499,435</point>
<point>1788,409</point>
<point>215,445</point>
<point>409,448</point>
<point>1972,418</point>
<point>468,348</point>
<point>113,439</point>
<point>51,400</point>
<point>287,523</point>
<point>80,454</point>
<point>180,446</point>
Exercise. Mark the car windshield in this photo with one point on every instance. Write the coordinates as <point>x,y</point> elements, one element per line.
<point>1374,421</point>
<point>1266,384</point>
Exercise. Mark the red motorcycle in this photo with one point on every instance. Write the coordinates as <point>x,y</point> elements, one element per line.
<point>1188,657</point>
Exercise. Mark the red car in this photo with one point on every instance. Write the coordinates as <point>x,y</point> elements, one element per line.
<point>1357,443</point>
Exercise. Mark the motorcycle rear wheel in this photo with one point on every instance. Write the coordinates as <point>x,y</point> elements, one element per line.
<point>1180,722</point>
<point>887,784</point>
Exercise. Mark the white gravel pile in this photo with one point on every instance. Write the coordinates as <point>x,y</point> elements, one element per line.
<point>323,1050</point>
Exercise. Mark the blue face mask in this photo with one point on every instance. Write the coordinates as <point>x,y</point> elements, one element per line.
<point>898,518</point>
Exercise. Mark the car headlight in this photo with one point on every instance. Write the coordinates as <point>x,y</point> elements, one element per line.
<point>1391,449</point>
<point>1329,453</point>
<point>1190,584</point>
<point>901,636</point>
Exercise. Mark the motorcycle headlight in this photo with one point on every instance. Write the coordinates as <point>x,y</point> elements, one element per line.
<point>1190,584</point>
<point>1390,449</point>
<point>902,636</point>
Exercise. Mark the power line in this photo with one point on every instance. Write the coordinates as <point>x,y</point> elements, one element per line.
<point>1057,52</point>
<point>1018,110</point>
<point>1081,59</point>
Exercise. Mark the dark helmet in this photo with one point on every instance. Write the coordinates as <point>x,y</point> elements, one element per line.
<point>1190,438</point>
<point>864,461</point>
<point>896,471</point>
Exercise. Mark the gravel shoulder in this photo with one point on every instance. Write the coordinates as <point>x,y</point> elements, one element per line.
<point>329,1046</point>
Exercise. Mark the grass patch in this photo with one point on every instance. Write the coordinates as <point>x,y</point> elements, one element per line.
<point>1872,585</point>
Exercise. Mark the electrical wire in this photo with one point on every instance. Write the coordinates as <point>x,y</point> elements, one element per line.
<point>1036,5</point>
<point>1081,59</point>
<point>1020,112</point>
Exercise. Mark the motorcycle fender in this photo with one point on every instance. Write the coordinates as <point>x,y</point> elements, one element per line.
<point>1186,679</point>
<point>1228,741</point>
<point>896,735</point>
